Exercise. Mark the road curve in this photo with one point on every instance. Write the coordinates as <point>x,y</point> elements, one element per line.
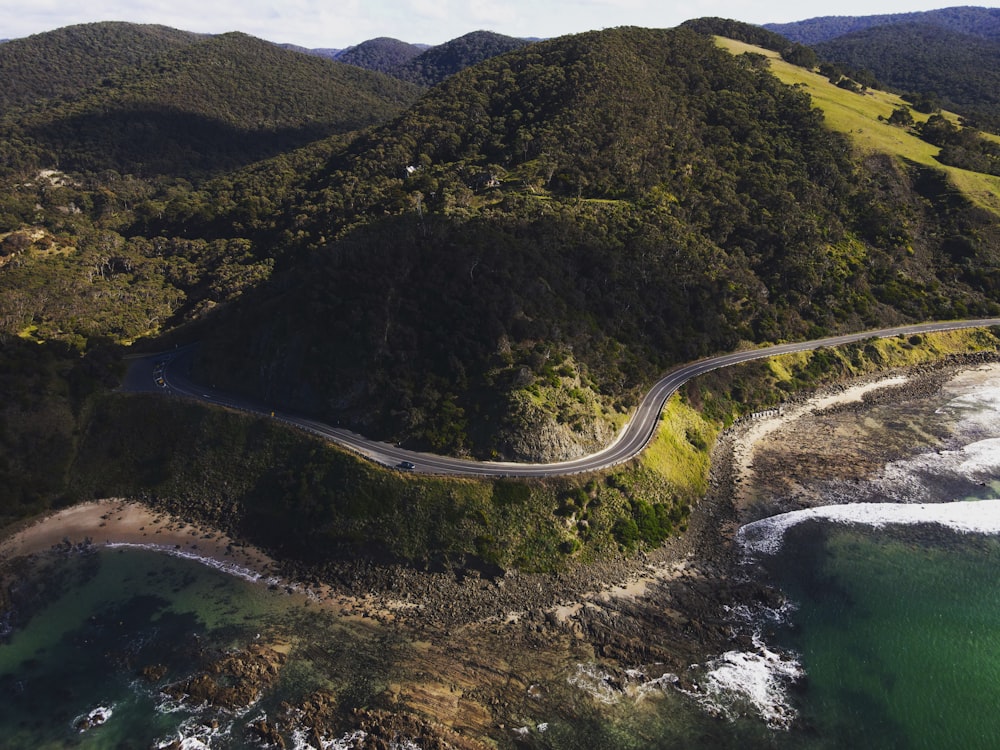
<point>167,373</point>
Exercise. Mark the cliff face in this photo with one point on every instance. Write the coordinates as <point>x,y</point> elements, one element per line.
<point>540,434</point>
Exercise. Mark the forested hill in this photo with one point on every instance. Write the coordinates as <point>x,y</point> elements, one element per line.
<point>960,69</point>
<point>382,54</point>
<point>69,61</point>
<point>179,108</point>
<point>432,66</point>
<point>974,21</point>
<point>503,268</point>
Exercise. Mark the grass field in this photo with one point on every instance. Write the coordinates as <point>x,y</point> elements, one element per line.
<point>857,115</point>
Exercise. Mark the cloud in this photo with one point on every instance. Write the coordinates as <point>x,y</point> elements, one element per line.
<point>431,10</point>
<point>321,23</point>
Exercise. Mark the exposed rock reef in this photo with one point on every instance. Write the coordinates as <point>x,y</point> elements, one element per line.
<point>233,681</point>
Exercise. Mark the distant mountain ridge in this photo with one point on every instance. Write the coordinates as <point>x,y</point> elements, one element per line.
<point>423,64</point>
<point>975,21</point>
<point>432,66</point>
<point>383,54</point>
<point>960,69</point>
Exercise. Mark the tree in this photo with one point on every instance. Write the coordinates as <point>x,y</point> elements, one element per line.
<point>801,55</point>
<point>901,117</point>
<point>16,242</point>
<point>938,130</point>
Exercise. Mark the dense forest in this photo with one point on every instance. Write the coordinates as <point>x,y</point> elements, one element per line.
<point>544,240</point>
<point>974,21</point>
<point>495,266</point>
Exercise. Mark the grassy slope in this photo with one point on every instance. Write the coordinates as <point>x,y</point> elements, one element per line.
<point>857,115</point>
<point>693,418</point>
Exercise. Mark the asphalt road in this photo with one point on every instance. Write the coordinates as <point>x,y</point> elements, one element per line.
<point>167,373</point>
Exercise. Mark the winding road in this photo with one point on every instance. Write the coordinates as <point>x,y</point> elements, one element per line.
<point>167,373</point>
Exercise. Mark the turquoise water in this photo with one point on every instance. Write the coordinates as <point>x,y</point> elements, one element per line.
<point>89,623</point>
<point>899,633</point>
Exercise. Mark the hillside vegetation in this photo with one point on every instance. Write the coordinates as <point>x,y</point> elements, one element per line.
<point>960,70</point>
<point>497,268</point>
<point>68,61</point>
<point>541,251</point>
<point>864,117</point>
<point>308,501</point>
<point>183,110</point>
<point>948,57</point>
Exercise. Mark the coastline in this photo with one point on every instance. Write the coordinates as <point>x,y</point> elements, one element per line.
<point>439,598</point>
<point>124,523</point>
<point>484,643</point>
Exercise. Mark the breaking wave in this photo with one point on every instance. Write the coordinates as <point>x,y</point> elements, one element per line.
<point>739,683</point>
<point>764,537</point>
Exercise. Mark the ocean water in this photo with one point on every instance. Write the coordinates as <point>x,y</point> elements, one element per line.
<point>898,634</point>
<point>88,623</point>
<point>895,616</point>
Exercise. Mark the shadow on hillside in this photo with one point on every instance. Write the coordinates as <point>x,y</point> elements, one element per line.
<point>167,142</point>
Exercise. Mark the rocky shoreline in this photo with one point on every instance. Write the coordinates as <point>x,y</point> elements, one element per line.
<point>707,550</point>
<point>485,641</point>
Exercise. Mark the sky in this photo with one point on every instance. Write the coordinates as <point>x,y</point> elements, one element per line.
<point>342,23</point>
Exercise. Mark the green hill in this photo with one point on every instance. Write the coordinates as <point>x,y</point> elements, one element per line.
<point>214,103</point>
<point>519,254</point>
<point>71,60</point>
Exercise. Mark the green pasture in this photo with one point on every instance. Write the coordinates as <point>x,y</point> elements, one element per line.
<point>857,115</point>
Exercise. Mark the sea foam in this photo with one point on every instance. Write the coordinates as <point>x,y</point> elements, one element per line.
<point>972,516</point>
<point>230,568</point>
<point>195,734</point>
<point>741,682</point>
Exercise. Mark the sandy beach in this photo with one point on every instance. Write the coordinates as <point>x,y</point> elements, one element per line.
<point>745,442</point>
<point>126,523</point>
